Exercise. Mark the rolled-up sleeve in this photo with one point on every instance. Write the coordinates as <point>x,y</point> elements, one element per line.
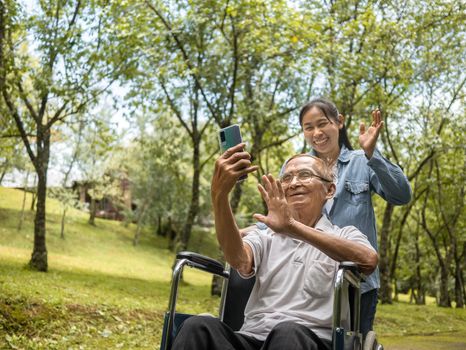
<point>388,180</point>
<point>255,241</point>
<point>351,233</point>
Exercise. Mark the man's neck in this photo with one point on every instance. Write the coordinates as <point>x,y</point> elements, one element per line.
<point>307,218</point>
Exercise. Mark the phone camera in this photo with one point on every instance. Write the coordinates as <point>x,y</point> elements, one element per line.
<point>222,136</point>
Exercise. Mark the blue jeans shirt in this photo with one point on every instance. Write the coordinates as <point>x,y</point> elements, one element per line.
<point>358,177</point>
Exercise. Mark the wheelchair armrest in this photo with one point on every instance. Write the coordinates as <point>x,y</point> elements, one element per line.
<point>203,263</point>
<point>353,267</point>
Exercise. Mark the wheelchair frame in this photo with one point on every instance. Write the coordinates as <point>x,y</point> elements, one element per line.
<point>348,277</point>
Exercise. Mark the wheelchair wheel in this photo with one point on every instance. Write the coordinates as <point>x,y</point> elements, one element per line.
<point>370,343</point>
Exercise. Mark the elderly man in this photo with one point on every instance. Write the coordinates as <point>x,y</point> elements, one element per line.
<point>295,260</point>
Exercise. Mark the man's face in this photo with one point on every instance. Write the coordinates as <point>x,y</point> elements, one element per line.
<point>303,184</point>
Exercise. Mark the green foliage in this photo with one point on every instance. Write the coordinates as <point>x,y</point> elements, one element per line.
<point>158,165</point>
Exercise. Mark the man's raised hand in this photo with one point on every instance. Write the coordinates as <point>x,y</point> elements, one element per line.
<point>279,216</point>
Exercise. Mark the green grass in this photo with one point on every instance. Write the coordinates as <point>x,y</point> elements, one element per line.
<point>101,292</point>
<point>420,326</point>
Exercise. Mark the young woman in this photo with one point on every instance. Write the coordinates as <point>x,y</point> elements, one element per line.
<point>357,175</point>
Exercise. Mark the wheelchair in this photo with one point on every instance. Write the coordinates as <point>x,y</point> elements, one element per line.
<point>235,294</point>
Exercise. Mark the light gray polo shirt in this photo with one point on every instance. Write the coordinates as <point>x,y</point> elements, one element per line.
<point>294,281</point>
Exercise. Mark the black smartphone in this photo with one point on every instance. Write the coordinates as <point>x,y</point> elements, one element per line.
<point>229,137</point>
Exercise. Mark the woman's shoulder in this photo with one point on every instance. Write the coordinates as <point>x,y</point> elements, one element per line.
<point>352,155</point>
<point>354,165</point>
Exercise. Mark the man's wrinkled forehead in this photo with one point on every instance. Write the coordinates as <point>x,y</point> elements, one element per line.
<point>304,162</point>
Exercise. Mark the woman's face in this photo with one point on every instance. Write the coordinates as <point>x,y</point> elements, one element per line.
<point>321,133</point>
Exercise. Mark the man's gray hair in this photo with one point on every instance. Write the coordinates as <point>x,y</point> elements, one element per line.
<point>324,169</point>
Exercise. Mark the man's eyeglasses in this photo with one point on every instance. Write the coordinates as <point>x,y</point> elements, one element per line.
<point>302,176</point>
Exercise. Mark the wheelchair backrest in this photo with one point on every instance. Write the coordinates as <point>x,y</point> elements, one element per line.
<point>237,295</point>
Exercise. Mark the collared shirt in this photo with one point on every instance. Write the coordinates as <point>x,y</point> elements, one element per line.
<point>294,281</point>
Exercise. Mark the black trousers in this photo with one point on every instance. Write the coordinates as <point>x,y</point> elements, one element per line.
<point>209,333</point>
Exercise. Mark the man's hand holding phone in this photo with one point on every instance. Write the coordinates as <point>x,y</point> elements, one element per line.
<point>229,168</point>
<point>230,137</point>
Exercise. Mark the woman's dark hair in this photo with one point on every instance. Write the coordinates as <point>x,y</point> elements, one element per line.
<point>330,112</point>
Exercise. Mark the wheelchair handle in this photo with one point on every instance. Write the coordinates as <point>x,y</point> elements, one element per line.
<point>202,262</point>
<point>353,267</point>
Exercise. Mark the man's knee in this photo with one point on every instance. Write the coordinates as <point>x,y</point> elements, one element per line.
<point>291,335</point>
<point>195,323</point>
<point>196,332</point>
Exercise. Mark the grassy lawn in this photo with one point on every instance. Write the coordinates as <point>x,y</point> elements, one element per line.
<point>406,326</point>
<point>101,292</point>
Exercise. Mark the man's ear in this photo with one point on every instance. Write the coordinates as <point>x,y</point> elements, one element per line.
<point>331,191</point>
<point>341,121</point>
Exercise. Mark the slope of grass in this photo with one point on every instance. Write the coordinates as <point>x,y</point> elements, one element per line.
<point>101,292</point>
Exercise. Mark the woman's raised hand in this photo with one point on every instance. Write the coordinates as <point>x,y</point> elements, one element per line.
<point>368,138</point>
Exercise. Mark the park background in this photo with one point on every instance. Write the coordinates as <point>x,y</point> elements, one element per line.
<point>109,118</point>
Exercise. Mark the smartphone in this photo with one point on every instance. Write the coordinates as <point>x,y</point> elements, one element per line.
<point>229,137</point>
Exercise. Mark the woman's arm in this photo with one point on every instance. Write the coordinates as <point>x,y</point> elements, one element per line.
<point>387,179</point>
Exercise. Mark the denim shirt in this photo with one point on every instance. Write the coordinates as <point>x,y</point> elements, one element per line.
<point>358,177</point>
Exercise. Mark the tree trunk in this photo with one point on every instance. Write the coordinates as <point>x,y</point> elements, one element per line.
<point>459,286</point>
<point>172,234</point>
<point>462,265</point>
<point>92,211</point>
<point>160,232</point>
<point>140,219</point>
<point>21,218</point>
<point>444,298</point>
<point>395,286</point>
<point>33,201</point>
<point>398,239</point>
<point>2,175</point>
<point>39,254</point>
<point>62,230</point>
<point>217,281</point>
<point>34,194</point>
<point>458,272</point>
<point>137,235</point>
<point>420,300</point>
<point>384,263</point>
<point>194,206</point>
